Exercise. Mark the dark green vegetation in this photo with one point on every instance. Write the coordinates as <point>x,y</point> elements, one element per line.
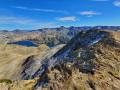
<point>7,81</point>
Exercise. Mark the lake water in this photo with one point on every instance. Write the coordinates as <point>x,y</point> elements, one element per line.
<point>29,44</point>
<point>52,45</point>
<point>24,43</point>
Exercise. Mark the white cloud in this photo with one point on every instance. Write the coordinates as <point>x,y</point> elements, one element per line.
<point>20,7</point>
<point>43,10</point>
<point>72,18</point>
<point>99,0</point>
<point>89,13</point>
<point>22,21</point>
<point>15,20</point>
<point>117,3</point>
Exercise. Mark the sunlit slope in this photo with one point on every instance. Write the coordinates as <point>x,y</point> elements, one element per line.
<point>12,56</point>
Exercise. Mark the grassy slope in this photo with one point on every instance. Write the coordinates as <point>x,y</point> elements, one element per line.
<point>104,56</point>
<point>11,57</point>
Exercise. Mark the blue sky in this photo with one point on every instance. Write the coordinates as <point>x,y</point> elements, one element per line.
<point>35,14</point>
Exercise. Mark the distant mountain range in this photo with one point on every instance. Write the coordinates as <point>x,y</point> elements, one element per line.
<point>50,36</point>
<point>70,28</point>
<point>71,31</point>
<point>81,28</point>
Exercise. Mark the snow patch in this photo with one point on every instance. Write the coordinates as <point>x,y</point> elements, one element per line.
<point>79,54</point>
<point>55,60</point>
<point>85,65</point>
<point>89,41</point>
<point>94,41</point>
<point>50,63</point>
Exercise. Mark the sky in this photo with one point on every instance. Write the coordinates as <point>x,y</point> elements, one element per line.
<point>36,14</point>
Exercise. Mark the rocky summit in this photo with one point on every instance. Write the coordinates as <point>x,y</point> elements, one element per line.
<point>89,61</point>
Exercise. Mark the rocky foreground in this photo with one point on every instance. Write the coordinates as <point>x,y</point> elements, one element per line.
<point>90,61</point>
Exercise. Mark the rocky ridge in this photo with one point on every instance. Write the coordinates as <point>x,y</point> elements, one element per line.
<point>90,61</point>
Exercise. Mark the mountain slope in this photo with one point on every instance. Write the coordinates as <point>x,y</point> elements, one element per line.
<point>90,61</point>
<point>11,57</point>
